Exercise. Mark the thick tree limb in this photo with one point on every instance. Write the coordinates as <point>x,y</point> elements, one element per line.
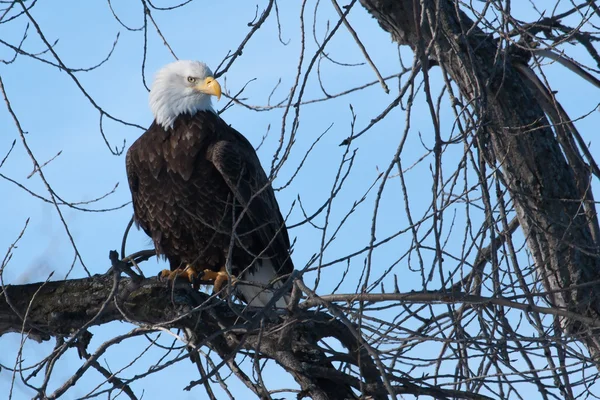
<point>62,308</point>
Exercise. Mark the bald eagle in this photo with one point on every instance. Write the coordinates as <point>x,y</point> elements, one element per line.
<point>200,193</point>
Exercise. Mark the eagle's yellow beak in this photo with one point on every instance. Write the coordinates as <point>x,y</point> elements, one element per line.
<point>210,86</point>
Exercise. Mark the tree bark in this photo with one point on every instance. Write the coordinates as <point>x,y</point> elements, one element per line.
<point>518,137</point>
<point>68,308</point>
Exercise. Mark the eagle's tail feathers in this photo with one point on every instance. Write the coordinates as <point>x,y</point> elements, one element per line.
<point>263,273</point>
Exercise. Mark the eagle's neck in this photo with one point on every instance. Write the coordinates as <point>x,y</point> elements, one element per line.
<point>187,124</point>
<point>168,103</point>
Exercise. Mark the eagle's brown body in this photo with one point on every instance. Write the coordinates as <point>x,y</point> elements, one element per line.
<point>196,184</point>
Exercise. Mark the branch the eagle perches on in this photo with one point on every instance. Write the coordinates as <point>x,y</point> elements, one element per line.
<point>66,309</point>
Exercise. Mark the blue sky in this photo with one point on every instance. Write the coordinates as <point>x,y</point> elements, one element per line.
<point>57,117</point>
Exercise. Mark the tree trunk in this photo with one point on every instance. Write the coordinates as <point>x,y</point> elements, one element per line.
<point>517,133</point>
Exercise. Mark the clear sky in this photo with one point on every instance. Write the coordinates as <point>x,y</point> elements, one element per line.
<point>57,117</point>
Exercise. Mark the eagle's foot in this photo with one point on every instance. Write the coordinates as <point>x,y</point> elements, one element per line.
<point>189,272</point>
<point>218,278</point>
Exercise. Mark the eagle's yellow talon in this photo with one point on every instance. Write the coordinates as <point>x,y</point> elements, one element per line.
<point>164,274</point>
<point>188,272</point>
<point>219,278</point>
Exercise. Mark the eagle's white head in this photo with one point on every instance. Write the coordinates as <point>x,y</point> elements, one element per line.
<point>182,87</point>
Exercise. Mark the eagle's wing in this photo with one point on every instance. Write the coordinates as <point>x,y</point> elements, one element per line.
<point>240,168</point>
<point>155,210</point>
<point>134,183</point>
<point>137,178</point>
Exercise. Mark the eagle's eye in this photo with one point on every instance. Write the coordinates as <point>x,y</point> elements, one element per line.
<point>191,79</point>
